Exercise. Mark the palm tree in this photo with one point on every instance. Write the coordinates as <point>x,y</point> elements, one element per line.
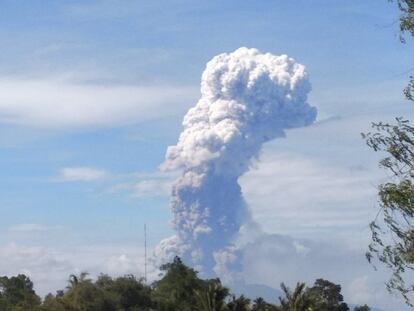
<point>239,304</point>
<point>74,280</point>
<point>259,304</point>
<point>296,300</point>
<point>212,299</point>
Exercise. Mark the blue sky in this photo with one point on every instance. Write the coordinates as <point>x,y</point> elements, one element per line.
<point>93,92</point>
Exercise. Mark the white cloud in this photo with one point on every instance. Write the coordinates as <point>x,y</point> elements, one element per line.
<point>292,194</point>
<point>272,259</point>
<point>50,268</point>
<point>68,174</point>
<point>32,228</point>
<point>360,291</point>
<point>46,267</point>
<point>155,187</point>
<point>155,184</point>
<point>59,103</point>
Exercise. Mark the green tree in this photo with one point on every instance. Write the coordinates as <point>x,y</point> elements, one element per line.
<point>83,295</point>
<point>212,298</point>
<point>362,308</point>
<point>326,296</point>
<point>406,8</point>
<point>128,292</point>
<point>259,304</point>
<point>179,289</point>
<point>392,230</point>
<point>176,289</point>
<point>52,303</point>
<point>240,303</point>
<point>16,293</point>
<point>125,293</point>
<point>295,300</point>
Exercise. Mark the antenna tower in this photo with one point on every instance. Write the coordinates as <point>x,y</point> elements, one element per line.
<point>145,253</point>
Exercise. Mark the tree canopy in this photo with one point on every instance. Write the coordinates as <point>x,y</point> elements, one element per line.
<point>179,288</point>
<point>393,229</point>
<point>406,17</point>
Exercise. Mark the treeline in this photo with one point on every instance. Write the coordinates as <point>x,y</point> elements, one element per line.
<point>179,289</point>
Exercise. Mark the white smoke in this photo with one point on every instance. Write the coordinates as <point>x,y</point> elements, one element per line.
<point>247,99</point>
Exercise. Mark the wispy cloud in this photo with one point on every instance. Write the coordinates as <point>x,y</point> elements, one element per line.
<point>152,188</point>
<point>85,174</point>
<point>293,194</point>
<point>140,185</point>
<point>49,268</point>
<point>32,228</point>
<point>59,103</point>
<point>274,258</point>
<point>136,184</point>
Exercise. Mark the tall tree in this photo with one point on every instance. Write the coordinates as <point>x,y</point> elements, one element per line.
<point>240,303</point>
<point>326,296</point>
<point>406,17</point>
<point>362,308</point>
<point>392,230</point>
<point>212,298</point>
<point>17,293</point>
<point>127,292</point>
<point>259,304</point>
<point>176,289</point>
<point>295,300</point>
<point>83,294</point>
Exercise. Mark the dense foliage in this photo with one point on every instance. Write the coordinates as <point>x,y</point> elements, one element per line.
<point>406,17</point>
<point>179,288</point>
<point>392,230</point>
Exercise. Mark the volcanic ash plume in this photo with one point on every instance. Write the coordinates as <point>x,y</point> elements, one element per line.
<point>247,99</point>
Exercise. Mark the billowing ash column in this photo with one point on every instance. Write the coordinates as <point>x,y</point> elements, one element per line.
<point>247,99</point>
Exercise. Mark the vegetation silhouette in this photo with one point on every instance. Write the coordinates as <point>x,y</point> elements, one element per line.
<point>392,241</point>
<point>178,289</point>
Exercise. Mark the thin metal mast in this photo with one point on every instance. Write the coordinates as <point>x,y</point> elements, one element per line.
<point>145,254</point>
